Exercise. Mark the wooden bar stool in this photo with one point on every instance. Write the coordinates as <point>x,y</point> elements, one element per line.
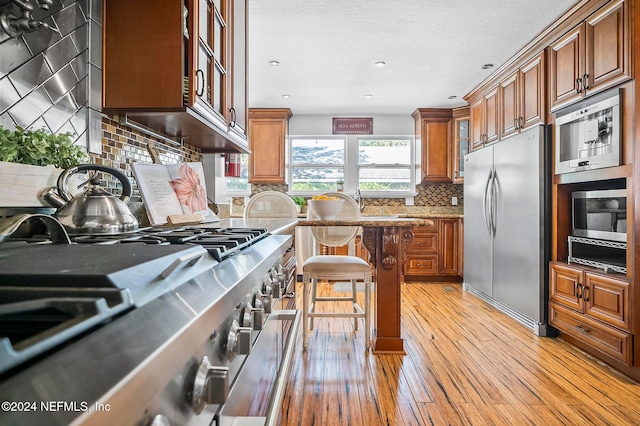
<point>336,268</point>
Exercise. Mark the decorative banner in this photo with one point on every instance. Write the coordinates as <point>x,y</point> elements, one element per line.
<point>353,126</point>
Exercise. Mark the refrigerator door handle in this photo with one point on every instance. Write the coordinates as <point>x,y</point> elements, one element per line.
<point>484,201</point>
<point>494,197</point>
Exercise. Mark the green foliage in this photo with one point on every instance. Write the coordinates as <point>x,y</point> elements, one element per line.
<point>39,148</point>
<point>299,200</point>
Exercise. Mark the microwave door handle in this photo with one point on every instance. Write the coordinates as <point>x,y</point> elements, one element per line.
<point>484,201</point>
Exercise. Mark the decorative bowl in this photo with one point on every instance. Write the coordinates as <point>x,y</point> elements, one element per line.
<point>325,209</point>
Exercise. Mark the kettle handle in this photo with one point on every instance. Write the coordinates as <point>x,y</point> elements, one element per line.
<point>124,180</point>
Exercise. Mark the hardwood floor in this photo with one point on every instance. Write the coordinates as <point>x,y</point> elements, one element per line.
<point>466,364</point>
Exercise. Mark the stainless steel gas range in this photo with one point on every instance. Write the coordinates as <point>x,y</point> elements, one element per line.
<point>164,326</point>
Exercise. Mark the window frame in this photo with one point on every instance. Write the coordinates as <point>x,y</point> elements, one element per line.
<point>352,167</point>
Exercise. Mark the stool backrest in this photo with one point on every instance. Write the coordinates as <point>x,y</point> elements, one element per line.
<point>270,205</point>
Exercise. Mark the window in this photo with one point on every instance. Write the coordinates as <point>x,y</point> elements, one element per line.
<point>317,164</point>
<point>240,185</point>
<point>379,165</point>
<point>384,164</point>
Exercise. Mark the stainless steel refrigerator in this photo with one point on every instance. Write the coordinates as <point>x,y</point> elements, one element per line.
<point>507,230</point>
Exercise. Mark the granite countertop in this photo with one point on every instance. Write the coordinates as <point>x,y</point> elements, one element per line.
<point>274,226</point>
<point>369,221</point>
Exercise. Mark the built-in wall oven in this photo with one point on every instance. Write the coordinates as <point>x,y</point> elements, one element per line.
<point>588,134</point>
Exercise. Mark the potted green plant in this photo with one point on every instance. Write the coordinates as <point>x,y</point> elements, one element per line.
<point>300,202</point>
<point>31,160</point>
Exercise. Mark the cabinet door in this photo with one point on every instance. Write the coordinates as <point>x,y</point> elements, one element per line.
<point>461,247</point>
<point>607,298</point>
<point>565,285</point>
<point>532,93</point>
<point>212,59</point>
<point>565,59</point>
<point>492,116</point>
<point>448,247</point>
<point>238,112</point>
<point>476,131</point>
<point>436,148</point>
<point>460,147</point>
<point>509,108</point>
<point>268,131</point>
<point>607,48</point>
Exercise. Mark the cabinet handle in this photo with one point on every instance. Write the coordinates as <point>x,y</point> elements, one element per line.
<point>199,88</point>
<point>578,291</point>
<point>515,124</point>
<point>233,117</point>
<point>585,82</point>
<point>585,294</point>
<point>583,329</point>
<point>520,121</point>
<point>578,85</point>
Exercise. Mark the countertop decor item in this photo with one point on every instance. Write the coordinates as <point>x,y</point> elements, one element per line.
<point>31,161</point>
<point>325,209</point>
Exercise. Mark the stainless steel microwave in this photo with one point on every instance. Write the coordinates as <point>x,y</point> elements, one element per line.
<point>600,214</point>
<point>588,134</point>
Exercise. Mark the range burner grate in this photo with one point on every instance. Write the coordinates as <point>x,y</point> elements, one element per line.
<point>219,242</point>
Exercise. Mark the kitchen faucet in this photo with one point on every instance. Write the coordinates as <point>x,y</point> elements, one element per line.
<point>359,199</point>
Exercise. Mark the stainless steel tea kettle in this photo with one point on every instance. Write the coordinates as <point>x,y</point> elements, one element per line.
<point>95,211</point>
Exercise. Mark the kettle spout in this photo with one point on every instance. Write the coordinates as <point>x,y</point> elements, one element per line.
<point>51,196</point>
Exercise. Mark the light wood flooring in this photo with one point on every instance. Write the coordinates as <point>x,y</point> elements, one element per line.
<point>466,364</point>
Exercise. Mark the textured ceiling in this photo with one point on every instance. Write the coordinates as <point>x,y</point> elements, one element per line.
<point>432,49</point>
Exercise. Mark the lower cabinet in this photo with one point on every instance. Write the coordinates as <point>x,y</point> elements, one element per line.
<point>434,253</point>
<point>593,307</point>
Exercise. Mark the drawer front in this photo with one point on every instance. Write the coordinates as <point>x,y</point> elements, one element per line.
<point>423,243</point>
<point>421,265</point>
<point>565,285</point>
<point>607,299</point>
<point>608,340</point>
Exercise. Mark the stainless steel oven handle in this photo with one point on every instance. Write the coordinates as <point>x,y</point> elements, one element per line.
<point>275,404</point>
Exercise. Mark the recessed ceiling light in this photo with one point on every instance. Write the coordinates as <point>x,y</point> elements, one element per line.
<point>368,96</point>
<point>285,96</point>
<point>452,97</point>
<point>487,66</point>
<point>379,64</point>
<point>274,63</point>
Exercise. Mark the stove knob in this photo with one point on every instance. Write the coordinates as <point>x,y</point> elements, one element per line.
<point>266,302</point>
<point>258,319</point>
<point>211,385</point>
<point>238,340</point>
<point>276,289</point>
<point>160,420</point>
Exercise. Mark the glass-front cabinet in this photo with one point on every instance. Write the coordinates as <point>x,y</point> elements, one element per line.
<point>187,80</point>
<point>460,143</point>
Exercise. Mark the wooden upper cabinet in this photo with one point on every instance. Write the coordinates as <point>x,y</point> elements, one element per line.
<point>522,96</point>
<point>268,133</point>
<point>188,71</point>
<point>592,57</point>
<point>476,127</point>
<point>433,129</point>
<point>461,137</point>
<point>509,108</point>
<point>484,119</point>
<point>491,114</point>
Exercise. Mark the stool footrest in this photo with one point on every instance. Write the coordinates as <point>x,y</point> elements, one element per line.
<point>334,299</point>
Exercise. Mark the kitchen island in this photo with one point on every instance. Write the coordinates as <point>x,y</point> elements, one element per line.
<point>386,238</point>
